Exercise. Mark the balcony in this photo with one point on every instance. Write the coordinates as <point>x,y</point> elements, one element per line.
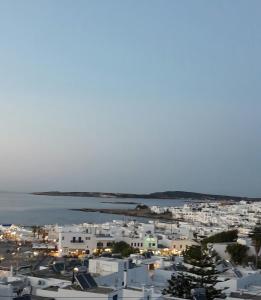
<point>104,237</point>
<point>77,241</point>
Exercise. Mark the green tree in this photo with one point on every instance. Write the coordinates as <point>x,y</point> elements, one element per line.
<point>199,272</point>
<point>123,248</point>
<point>142,207</point>
<point>256,239</point>
<point>179,286</point>
<point>222,237</point>
<point>237,252</point>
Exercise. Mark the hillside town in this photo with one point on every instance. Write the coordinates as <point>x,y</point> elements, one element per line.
<point>130,165</point>
<point>210,250</point>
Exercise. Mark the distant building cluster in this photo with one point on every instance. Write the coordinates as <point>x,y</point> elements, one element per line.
<point>79,261</point>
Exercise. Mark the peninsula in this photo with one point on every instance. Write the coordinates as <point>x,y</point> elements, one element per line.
<point>141,210</point>
<point>175,195</point>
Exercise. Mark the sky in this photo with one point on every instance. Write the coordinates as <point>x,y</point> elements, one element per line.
<point>130,96</point>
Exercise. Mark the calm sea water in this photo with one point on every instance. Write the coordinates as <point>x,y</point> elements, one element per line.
<point>19,208</point>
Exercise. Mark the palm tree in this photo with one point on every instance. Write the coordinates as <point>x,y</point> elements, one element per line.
<point>39,231</point>
<point>44,234</point>
<point>34,230</point>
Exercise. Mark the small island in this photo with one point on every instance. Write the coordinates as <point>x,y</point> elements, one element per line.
<point>121,202</point>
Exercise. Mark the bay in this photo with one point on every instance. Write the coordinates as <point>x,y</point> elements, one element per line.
<point>27,209</point>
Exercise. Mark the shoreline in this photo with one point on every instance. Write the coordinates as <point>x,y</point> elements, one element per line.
<point>120,202</point>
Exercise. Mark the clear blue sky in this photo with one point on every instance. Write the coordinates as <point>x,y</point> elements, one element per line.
<point>135,96</point>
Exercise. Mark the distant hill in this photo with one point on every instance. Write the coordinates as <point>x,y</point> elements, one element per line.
<point>158,195</point>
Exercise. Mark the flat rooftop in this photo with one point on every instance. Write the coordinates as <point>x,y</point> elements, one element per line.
<point>96,290</point>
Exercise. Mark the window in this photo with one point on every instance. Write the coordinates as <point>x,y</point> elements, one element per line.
<point>109,244</point>
<point>174,246</point>
<point>141,244</point>
<point>115,297</point>
<point>87,238</point>
<point>180,246</point>
<point>62,238</point>
<point>153,244</point>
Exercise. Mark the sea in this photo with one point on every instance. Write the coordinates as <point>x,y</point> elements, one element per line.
<point>27,209</point>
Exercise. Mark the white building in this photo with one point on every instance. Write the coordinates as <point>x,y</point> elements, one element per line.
<point>82,242</point>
